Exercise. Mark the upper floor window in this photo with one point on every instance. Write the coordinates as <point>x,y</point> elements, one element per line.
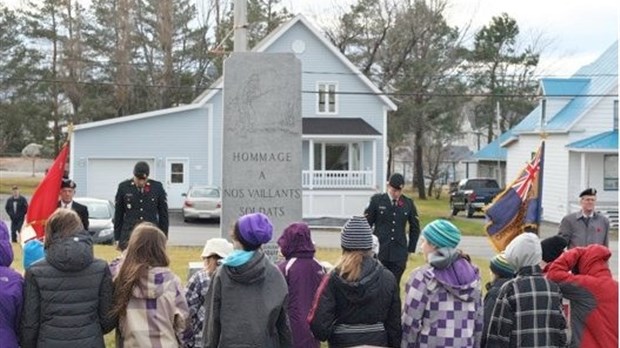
<point>615,114</point>
<point>610,173</point>
<point>327,100</point>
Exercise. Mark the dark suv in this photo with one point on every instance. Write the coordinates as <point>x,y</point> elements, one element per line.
<point>472,195</point>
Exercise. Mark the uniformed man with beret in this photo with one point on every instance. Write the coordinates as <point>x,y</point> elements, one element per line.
<point>67,191</point>
<point>389,213</point>
<point>586,226</point>
<point>139,199</point>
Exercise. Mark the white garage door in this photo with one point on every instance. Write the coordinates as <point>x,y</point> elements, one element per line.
<point>104,175</point>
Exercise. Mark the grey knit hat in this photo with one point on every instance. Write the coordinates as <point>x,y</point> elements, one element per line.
<point>356,234</point>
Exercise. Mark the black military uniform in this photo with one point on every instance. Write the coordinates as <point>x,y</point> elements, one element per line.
<point>134,205</point>
<point>389,219</point>
<point>16,207</point>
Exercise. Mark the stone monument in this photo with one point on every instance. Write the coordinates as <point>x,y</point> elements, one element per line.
<point>261,156</point>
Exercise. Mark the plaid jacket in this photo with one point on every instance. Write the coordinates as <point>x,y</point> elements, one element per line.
<point>528,313</point>
<point>196,294</point>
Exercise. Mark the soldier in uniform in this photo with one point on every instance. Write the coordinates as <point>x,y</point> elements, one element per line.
<point>16,206</point>
<point>586,226</point>
<point>67,191</point>
<point>389,213</point>
<point>137,200</point>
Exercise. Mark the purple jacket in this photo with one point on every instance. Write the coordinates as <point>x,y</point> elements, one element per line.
<point>303,275</point>
<point>11,298</point>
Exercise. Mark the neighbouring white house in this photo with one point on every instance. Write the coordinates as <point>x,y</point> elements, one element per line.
<point>578,117</point>
<point>344,135</point>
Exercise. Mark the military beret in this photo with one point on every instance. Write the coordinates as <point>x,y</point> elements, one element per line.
<point>397,181</point>
<point>68,183</point>
<point>141,170</point>
<point>588,192</point>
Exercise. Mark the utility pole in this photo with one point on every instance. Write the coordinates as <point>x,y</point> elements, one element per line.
<point>499,162</point>
<point>240,37</point>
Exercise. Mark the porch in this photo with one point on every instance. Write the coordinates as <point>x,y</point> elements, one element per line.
<point>338,179</point>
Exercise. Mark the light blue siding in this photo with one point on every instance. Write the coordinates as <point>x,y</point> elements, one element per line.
<point>181,134</point>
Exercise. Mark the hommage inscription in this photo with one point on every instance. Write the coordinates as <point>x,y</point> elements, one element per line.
<point>261,154</point>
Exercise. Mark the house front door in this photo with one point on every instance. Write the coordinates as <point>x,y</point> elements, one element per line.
<point>177,181</point>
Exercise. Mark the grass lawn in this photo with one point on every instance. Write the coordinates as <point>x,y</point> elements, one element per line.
<point>180,256</point>
<point>26,185</point>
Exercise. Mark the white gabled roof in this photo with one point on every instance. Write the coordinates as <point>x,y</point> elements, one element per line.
<point>135,117</point>
<point>264,44</point>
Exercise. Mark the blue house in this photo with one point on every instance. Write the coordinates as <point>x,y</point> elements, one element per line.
<point>578,117</point>
<point>344,134</point>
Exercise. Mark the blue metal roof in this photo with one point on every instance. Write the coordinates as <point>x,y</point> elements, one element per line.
<point>562,87</point>
<point>602,75</point>
<point>493,151</point>
<point>602,141</point>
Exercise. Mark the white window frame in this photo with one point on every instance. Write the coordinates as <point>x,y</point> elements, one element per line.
<point>324,85</point>
<point>349,153</point>
<point>611,186</point>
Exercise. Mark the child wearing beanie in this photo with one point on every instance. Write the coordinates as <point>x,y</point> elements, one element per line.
<point>33,252</point>
<point>303,274</point>
<point>501,272</point>
<point>248,294</point>
<point>443,303</point>
<point>357,304</point>
<point>196,291</point>
<point>528,312</point>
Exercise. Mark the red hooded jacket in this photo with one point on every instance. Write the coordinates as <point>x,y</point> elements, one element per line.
<point>593,295</point>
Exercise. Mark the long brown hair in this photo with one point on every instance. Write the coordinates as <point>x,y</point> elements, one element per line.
<point>146,248</point>
<point>62,223</point>
<point>349,266</point>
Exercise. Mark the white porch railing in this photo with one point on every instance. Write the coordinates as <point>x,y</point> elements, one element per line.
<point>337,179</point>
<point>609,209</point>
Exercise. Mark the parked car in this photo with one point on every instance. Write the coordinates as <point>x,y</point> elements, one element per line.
<point>202,202</point>
<point>472,195</point>
<point>100,219</point>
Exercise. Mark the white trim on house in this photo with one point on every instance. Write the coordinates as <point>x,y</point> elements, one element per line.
<point>276,34</point>
<point>337,137</point>
<point>135,117</point>
<point>71,149</point>
<point>385,147</point>
<point>578,150</point>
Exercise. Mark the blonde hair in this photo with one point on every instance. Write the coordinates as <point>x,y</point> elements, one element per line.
<point>349,267</point>
<point>62,223</point>
<point>146,248</point>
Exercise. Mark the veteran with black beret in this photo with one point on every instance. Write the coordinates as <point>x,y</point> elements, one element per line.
<point>67,191</point>
<point>390,213</point>
<point>587,226</point>
<point>139,199</point>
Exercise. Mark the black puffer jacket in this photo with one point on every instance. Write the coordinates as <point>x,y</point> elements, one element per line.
<point>67,297</point>
<point>366,312</point>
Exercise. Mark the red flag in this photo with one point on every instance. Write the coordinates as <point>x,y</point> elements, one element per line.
<point>45,198</point>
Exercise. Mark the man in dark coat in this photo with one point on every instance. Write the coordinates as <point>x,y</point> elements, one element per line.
<point>137,200</point>
<point>16,207</point>
<point>67,191</point>
<point>389,213</point>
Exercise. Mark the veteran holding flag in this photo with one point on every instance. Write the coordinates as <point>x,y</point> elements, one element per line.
<point>518,208</point>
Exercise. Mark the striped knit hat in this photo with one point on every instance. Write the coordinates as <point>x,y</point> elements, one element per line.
<point>442,234</point>
<point>501,267</point>
<point>356,234</point>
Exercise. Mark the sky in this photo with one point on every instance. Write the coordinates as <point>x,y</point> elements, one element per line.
<point>570,33</point>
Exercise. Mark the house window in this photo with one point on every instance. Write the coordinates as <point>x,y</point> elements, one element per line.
<point>610,173</point>
<point>326,98</point>
<point>615,114</point>
<point>337,156</point>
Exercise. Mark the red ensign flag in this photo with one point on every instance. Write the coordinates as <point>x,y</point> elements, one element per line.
<point>45,198</point>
